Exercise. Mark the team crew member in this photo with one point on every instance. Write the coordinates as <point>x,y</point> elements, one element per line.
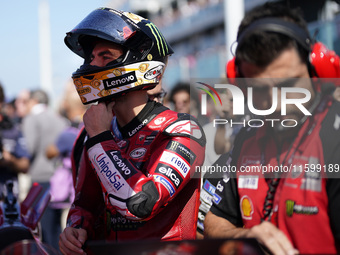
<point>295,211</point>
<point>134,177</point>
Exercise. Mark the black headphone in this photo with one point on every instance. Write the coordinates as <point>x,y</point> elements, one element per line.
<point>280,26</point>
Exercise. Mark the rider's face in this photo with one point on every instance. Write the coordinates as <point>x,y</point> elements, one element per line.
<point>105,52</point>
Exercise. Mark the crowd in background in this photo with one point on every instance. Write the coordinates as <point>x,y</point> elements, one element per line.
<point>38,138</point>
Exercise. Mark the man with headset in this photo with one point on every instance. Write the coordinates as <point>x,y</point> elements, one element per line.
<point>286,211</point>
<point>134,167</point>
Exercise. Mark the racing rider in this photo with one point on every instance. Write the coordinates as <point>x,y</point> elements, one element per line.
<point>133,168</point>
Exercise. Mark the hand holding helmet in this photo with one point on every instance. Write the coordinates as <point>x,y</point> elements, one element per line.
<point>97,118</point>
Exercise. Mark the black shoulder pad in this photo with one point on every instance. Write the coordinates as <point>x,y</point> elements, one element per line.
<point>143,202</point>
<point>188,126</point>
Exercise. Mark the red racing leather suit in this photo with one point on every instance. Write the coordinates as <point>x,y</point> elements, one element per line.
<point>138,182</point>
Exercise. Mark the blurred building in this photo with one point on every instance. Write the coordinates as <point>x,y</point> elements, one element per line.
<point>196,31</point>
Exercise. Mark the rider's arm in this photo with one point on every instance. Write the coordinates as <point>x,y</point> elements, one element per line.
<point>134,194</point>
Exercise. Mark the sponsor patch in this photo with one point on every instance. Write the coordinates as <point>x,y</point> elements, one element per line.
<point>154,72</point>
<point>137,153</point>
<point>127,32</point>
<point>201,217</point>
<point>206,197</point>
<point>217,199</point>
<point>149,139</point>
<point>209,187</point>
<point>159,120</point>
<point>250,160</point>
<point>247,208</point>
<point>200,224</point>
<point>123,166</point>
<point>141,137</point>
<point>313,184</point>
<point>182,150</point>
<point>204,207</point>
<point>313,179</point>
<point>248,182</point>
<point>120,223</point>
<point>134,17</point>
<point>84,91</point>
<point>226,179</point>
<point>186,127</point>
<point>120,80</point>
<point>292,207</point>
<point>169,173</point>
<point>161,43</point>
<point>122,144</point>
<point>136,129</point>
<point>165,183</point>
<point>175,161</point>
<point>219,187</point>
<point>112,175</point>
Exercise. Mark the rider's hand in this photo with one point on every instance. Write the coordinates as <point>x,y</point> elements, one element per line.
<point>71,241</point>
<point>98,118</point>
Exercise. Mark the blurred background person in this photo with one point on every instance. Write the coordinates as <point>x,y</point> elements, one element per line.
<point>41,127</point>
<point>10,110</point>
<point>220,137</point>
<point>180,98</point>
<point>71,107</point>
<point>61,182</point>
<point>21,108</point>
<point>225,133</point>
<point>20,103</point>
<point>14,157</point>
<point>184,99</point>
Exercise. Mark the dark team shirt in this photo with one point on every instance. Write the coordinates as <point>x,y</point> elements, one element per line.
<point>306,203</point>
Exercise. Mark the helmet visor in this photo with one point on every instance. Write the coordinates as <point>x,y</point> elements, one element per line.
<point>104,23</point>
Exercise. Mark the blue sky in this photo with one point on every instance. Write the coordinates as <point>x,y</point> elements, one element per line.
<point>19,51</point>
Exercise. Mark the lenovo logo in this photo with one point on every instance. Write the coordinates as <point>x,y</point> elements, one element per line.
<point>120,80</point>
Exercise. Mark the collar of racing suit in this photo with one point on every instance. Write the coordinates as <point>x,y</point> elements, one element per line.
<point>143,117</point>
